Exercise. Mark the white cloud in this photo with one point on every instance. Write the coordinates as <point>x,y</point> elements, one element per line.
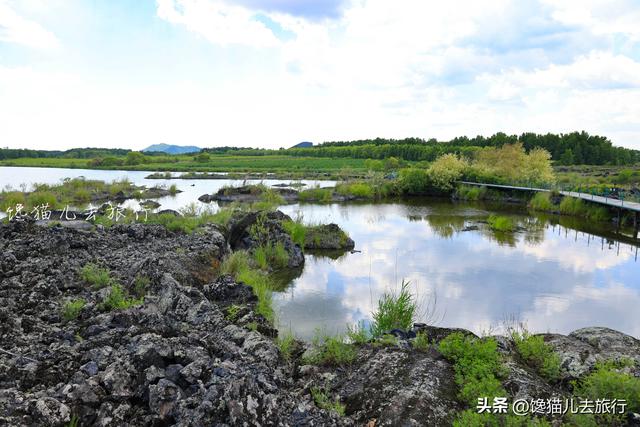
<point>16,29</point>
<point>218,22</point>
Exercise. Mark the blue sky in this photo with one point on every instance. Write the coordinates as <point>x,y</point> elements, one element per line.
<point>130,73</point>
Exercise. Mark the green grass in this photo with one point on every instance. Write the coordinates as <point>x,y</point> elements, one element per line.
<point>216,162</point>
<point>141,285</point>
<point>470,192</point>
<point>577,207</point>
<point>286,345</point>
<point>542,202</point>
<point>358,334</point>
<point>537,354</point>
<point>330,351</point>
<point>421,342</point>
<point>322,401</point>
<point>271,256</point>
<point>261,286</point>
<point>396,310</point>
<point>361,190</point>
<point>71,309</point>
<point>95,275</point>
<point>386,340</point>
<point>501,223</point>
<point>321,195</point>
<point>10,199</point>
<point>235,263</point>
<point>297,230</point>
<point>117,299</point>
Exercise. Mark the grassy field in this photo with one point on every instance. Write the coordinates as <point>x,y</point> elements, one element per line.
<point>216,163</point>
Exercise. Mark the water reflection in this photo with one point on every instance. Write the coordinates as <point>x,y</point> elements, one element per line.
<point>554,277</point>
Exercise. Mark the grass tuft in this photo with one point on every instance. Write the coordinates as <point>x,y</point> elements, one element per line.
<point>117,299</point>
<point>395,311</point>
<point>95,275</point>
<point>71,309</point>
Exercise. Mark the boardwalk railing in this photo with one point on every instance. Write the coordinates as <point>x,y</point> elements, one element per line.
<point>604,200</point>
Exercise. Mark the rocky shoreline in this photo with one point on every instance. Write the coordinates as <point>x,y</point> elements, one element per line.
<point>179,358</point>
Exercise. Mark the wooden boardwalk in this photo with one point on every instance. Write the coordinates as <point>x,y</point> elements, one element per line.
<point>621,204</point>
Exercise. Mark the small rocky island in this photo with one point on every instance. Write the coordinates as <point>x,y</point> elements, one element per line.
<point>134,325</point>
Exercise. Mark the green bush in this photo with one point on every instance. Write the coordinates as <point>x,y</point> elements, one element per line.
<point>413,181</point>
<point>607,382</point>
<point>331,350</point>
<point>117,299</point>
<point>95,276</point>
<point>71,309</point>
<point>477,365</point>
<point>361,190</point>
<point>538,354</point>
<point>395,311</point>
<point>541,201</point>
<point>322,195</point>
<point>501,223</point>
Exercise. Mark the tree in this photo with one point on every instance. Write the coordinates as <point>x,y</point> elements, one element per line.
<point>446,170</point>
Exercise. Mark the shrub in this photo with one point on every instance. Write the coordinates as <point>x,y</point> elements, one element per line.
<point>321,399</point>
<point>117,300</point>
<point>446,170</point>
<point>330,350</point>
<point>538,354</point>
<point>395,311</point>
<point>95,276</point>
<point>607,382</point>
<point>71,309</point>
<point>414,181</point>
<point>360,190</point>
<point>477,366</point>
<point>501,223</point>
<point>572,206</point>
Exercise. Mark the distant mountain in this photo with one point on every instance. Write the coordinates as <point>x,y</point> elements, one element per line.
<point>304,144</point>
<point>173,149</point>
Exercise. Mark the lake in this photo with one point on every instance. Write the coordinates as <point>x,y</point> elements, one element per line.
<point>555,275</point>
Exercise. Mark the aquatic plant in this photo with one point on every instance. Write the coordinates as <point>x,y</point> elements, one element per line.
<point>501,223</point>
<point>541,201</point>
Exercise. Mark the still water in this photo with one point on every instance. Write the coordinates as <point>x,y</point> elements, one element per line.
<point>554,274</point>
